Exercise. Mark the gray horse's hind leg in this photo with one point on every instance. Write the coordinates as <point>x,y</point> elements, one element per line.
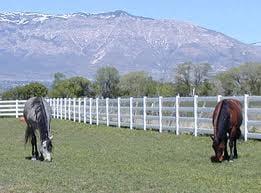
<point>35,154</point>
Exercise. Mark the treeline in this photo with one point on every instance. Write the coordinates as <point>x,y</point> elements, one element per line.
<point>188,79</point>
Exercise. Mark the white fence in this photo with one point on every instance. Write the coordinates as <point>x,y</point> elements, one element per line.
<point>11,108</point>
<point>173,114</point>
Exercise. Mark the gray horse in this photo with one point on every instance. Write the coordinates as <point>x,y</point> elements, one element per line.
<point>37,115</point>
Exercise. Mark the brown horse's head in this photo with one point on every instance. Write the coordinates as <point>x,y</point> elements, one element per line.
<point>219,149</point>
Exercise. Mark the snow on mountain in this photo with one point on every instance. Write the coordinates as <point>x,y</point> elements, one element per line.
<point>38,45</point>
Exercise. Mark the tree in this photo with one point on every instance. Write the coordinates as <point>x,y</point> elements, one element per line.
<point>189,77</point>
<point>107,79</point>
<point>137,84</point>
<point>72,87</point>
<point>166,89</point>
<point>25,92</point>
<point>251,74</point>
<point>183,78</point>
<point>58,76</point>
<point>200,73</point>
<point>241,80</point>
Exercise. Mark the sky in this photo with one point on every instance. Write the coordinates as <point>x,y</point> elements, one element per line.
<point>240,19</point>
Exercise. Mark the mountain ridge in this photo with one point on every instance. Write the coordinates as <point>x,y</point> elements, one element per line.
<point>79,43</point>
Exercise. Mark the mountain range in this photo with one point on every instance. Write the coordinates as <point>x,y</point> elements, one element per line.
<point>34,46</point>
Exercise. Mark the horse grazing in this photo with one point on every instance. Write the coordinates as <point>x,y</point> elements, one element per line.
<point>37,115</point>
<point>227,119</point>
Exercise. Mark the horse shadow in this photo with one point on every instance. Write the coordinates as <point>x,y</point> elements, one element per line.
<point>37,159</point>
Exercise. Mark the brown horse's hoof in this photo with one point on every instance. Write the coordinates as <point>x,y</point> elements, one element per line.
<point>214,159</point>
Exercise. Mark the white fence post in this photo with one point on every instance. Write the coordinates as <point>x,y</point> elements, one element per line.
<point>84,110</point>
<point>107,111</point>
<point>61,108</point>
<point>90,110</point>
<point>16,108</point>
<point>57,108</point>
<point>144,113</point>
<point>160,114</point>
<point>54,116</point>
<point>177,115</point>
<point>219,98</point>
<point>245,116</point>
<point>131,117</point>
<point>74,109</point>
<point>97,111</point>
<point>65,108</point>
<point>196,115</point>
<point>79,110</point>
<point>51,106</point>
<point>69,109</point>
<point>119,112</point>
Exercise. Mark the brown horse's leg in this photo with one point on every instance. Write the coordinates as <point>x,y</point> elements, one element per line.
<point>225,151</point>
<point>235,149</point>
<point>231,146</point>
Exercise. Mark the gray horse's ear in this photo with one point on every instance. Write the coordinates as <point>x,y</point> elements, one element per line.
<point>212,138</point>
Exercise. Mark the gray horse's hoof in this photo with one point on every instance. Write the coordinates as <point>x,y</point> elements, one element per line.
<point>231,160</point>
<point>33,159</point>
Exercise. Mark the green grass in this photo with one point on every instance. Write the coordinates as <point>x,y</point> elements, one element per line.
<point>100,159</point>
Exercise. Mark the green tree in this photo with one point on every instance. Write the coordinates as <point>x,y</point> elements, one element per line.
<point>189,77</point>
<point>251,74</point>
<point>166,89</point>
<point>183,79</point>
<point>25,92</point>
<point>137,84</point>
<point>107,79</point>
<point>241,80</point>
<point>72,87</point>
<point>207,88</point>
<point>58,76</point>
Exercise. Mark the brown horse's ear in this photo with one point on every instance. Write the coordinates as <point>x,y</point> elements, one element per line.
<point>212,138</point>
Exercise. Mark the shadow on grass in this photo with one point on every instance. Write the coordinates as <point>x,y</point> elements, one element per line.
<point>38,159</point>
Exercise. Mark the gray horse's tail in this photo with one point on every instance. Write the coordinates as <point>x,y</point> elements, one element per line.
<point>28,134</point>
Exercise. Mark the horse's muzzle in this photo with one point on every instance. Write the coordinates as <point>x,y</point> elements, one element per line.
<point>215,159</point>
<point>48,158</point>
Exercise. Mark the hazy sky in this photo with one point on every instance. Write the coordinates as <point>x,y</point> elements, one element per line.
<point>240,19</point>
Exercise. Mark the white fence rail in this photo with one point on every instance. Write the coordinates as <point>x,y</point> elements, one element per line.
<point>11,108</point>
<point>173,114</point>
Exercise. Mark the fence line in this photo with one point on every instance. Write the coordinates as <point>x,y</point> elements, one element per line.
<point>173,114</point>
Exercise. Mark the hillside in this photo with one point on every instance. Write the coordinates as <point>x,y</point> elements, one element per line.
<point>34,46</point>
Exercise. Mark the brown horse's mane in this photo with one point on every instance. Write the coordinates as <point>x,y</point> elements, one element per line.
<point>215,122</point>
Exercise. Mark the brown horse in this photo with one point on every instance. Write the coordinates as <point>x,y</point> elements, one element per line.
<point>227,119</point>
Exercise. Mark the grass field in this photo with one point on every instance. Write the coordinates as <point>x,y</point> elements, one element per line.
<point>100,159</point>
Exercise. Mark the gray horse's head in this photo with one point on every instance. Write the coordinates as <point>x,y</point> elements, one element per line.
<point>46,149</point>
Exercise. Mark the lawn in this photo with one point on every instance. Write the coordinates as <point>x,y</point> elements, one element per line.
<point>106,159</point>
